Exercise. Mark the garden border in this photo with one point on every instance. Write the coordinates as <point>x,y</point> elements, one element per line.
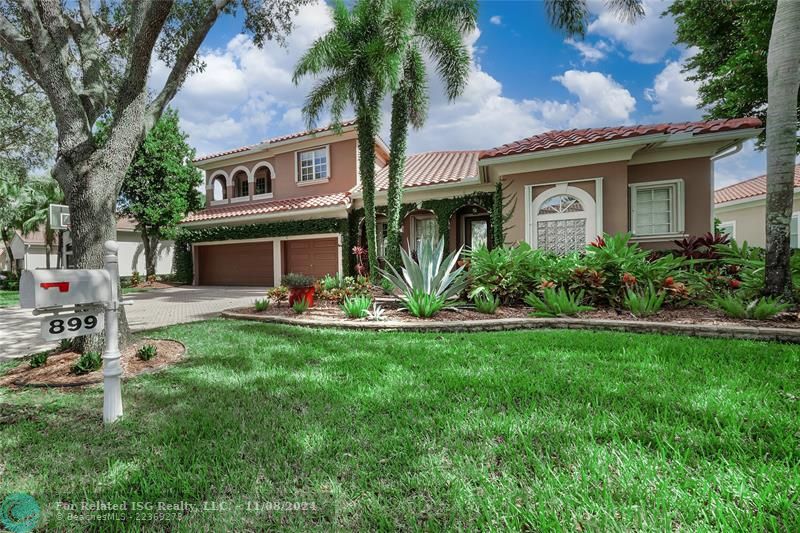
<point>505,324</point>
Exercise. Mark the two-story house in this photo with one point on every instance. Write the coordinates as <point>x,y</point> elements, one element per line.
<point>294,203</point>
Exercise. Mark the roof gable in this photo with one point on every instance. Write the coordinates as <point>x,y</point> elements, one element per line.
<point>748,188</point>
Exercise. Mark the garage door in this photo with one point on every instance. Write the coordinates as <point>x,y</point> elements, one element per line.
<point>315,257</point>
<point>248,263</point>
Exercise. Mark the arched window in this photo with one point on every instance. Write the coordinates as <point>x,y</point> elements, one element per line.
<point>559,204</point>
<point>263,180</point>
<point>220,189</point>
<point>240,186</point>
<point>564,219</point>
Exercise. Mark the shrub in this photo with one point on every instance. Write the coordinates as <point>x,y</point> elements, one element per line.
<point>147,352</point>
<point>644,302</point>
<point>39,359</point>
<point>278,294</point>
<point>136,279</point>
<point>387,286</point>
<point>356,306</point>
<point>428,282</point>
<point>422,304</point>
<point>300,306</point>
<point>298,281</point>
<point>262,304</point>
<point>485,302</point>
<point>87,362</point>
<point>336,289</point>
<point>758,309</point>
<point>556,302</point>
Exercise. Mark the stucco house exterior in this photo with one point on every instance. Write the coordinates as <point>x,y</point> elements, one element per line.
<point>294,203</point>
<point>30,251</point>
<point>742,210</point>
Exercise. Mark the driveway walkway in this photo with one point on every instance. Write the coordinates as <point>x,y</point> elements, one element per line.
<point>19,329</point>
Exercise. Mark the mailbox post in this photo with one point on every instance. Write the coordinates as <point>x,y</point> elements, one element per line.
<point>112,371</point>
<point>89,292</point>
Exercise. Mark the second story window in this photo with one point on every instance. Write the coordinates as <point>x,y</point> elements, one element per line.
<point>240,186</point>
<point>312,165</point>
<point>263,181</point>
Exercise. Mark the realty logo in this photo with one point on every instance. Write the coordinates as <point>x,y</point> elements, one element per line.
<point>19,512</point>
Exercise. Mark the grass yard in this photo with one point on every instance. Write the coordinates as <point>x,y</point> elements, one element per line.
<point>9,298</point>
<point>539,430</point>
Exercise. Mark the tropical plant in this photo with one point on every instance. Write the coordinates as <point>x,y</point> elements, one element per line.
<point>430,280</point>
<point>377,313</point>
<point>737,307</point>
<point>703,247</point>
<point>556,302</point>
<point>39,359</point>
<point>147,352</point>
<point>87,362</point>
<point>300,306</point>
<point>329,282</point>
<point>485,302</point>
<point>297,281</point>
<point>356,306</point>
<point>644,302</point>
<point>387,286</point>
<point>261,304</point>
<point>437,30</point>
<point>361,59</point>
<point>278,294</point>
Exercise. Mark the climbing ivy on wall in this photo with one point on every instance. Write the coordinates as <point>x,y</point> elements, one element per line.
<point>187,236</point>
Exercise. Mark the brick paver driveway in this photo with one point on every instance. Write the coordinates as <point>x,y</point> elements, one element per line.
<point>19,329</point>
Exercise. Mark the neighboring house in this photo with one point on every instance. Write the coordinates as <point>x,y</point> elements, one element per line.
<point>301,198</point>
<point>742,210</point>
<point>29,250</point>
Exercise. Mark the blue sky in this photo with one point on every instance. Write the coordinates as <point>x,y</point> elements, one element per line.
<point>525,78</point>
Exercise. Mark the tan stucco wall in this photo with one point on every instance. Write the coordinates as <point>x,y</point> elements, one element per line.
<point>342,168</point>
<point>698,190</point>
<point>614,186</point>
<point>750,220</point>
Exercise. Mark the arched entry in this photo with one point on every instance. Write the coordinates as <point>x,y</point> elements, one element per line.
<point>563,219</point>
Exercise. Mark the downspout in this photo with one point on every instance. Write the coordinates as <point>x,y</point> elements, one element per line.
<point>726,152</point>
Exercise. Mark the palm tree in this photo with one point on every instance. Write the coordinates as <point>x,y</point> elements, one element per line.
<point>37,196</point>
<point>783,81</point>
<point>11,186</point>
<point>438,30</point>
<point>360,60</point>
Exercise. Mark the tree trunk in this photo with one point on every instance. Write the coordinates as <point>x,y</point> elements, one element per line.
<point>150,244</point>
<point>783,71</point>
<point>397,163</point>
<point>367,128</point>
<point>12,266</point>
<point>60,247</point>
<point>48,243</point>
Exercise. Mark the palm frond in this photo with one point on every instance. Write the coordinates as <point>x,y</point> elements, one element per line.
<point>571,16</point>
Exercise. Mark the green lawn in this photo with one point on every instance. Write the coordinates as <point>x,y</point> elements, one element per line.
<point>538,430</point>
<point>9,298</point>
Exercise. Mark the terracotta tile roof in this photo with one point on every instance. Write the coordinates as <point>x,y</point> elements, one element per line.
<point>569,138</point>
<point>273,140</point>
<point>433,168</point>
<point>270,206</point>
<point>748,188</point>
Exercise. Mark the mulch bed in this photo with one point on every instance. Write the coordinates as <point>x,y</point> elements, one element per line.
<point>56,373</point>
<point>690,315</point>
<point>154,285</point>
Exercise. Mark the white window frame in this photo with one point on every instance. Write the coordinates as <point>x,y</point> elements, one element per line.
<point>794,226</point>
<point>678,206</point>
<point>732,224</point>
<point>416,218</point>
<point>314,181</point>
<point>270,178</point>
<point>593,208</point>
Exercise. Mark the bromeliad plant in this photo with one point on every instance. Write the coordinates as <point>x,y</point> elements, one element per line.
<point>356,306</point>
<point>757,309</point>
<point>644,302</point>
<point>428,282</point>
<point>485,302</point>
<point>556,302</point>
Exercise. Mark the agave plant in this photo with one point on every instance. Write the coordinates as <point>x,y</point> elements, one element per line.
<point>430,274</point>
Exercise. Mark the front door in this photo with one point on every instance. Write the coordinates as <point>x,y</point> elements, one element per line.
<point>476,231</point>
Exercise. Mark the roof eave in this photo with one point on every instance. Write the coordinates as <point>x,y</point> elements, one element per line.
<point>343,207</point>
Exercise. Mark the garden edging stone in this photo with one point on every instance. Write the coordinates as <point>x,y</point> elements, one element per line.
<point>631,326</point>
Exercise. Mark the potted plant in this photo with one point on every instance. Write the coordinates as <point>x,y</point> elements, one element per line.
<point>301,287</point>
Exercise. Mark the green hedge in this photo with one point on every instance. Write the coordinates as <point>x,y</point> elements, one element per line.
<point>187,236</point>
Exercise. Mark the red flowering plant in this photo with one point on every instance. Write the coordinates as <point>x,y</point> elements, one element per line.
<point>360,254</point>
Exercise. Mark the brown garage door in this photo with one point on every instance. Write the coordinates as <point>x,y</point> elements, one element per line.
<point>247,263</point>
<point>315,257</point>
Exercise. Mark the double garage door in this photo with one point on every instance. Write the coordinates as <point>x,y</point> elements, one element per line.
<point>252,263</point>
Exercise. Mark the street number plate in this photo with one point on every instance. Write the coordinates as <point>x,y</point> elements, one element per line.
<point>66,326</point>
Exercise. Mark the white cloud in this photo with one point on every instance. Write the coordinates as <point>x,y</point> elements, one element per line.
<point>647,40</point>
<point>590,53</point>
<point>674,98</point>
<point>497,20</point>
<point>601,101</point>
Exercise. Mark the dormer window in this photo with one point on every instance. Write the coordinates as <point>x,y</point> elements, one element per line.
<point>312,165</point>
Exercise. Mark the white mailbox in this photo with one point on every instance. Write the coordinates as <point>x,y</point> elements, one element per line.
<point>51,288</point>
